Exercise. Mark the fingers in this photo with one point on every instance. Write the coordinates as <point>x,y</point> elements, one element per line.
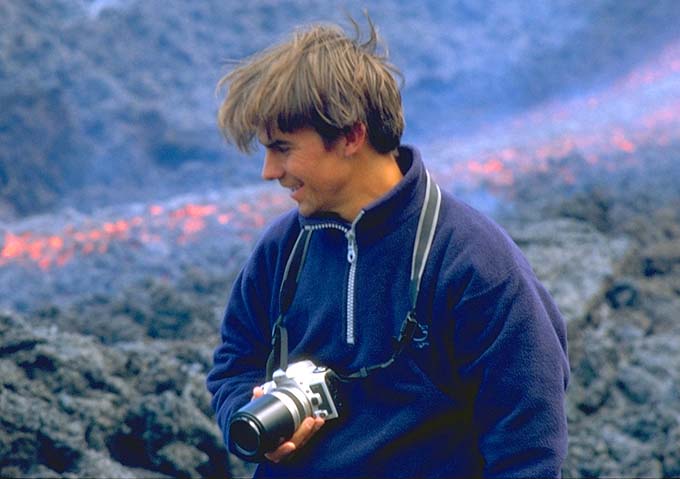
<point>303,434</point>
<point>257,392</point>
<point>306,430</point>
<point>281,452</point>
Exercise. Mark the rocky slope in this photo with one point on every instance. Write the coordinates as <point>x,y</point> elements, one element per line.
<point>73,407</point>
<point>624,399</point>
<point>624,340</point>
<point>112,404</point>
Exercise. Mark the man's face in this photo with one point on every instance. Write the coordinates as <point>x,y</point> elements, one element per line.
<point>320,180</point>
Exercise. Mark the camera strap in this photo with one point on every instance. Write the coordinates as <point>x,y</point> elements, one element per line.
<point>427,224</point>
<point>291,276</point>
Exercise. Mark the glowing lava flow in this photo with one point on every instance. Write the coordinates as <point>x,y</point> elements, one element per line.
<point>642,109</point>
<point>181,224</point>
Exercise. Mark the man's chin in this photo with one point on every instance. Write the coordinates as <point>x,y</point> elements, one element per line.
<point>306,211</point>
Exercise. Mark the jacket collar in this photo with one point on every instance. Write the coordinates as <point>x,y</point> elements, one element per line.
<point>391,210</point>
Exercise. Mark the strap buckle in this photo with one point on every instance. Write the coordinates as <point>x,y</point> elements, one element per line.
<point>408,329</point>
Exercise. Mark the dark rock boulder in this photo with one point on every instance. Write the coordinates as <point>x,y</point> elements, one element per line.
<point>70,406</point>
<point>570,256</point>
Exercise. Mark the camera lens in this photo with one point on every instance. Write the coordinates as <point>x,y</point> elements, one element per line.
<point>248,433</point>
<point>262,424</point>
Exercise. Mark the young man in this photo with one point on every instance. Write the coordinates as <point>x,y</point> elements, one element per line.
<point>479,390</point>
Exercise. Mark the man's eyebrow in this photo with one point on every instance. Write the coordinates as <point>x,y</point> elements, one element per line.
<point>276,143</point>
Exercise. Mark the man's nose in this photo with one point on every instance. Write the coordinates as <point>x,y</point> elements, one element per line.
<point>271,168</point>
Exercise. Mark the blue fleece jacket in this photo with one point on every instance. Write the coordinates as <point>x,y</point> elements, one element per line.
<point>483,397</point>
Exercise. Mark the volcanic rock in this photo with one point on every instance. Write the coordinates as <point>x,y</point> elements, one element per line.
<point>70,406</point>
<point>624,396</point>
<point>570,256</point>
<point>130,395</point>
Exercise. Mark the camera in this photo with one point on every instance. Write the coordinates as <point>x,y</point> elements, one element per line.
<point>302,390</point>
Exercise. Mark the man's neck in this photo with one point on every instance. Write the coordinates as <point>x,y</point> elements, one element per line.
<point>375,175</point>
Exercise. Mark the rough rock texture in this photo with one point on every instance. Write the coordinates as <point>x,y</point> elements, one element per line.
<point>571,257</point>
<point>624,399</point>
<point>124,400</point>
<point>70,406</point>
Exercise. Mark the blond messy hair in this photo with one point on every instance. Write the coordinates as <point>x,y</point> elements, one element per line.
<point>321,79</point>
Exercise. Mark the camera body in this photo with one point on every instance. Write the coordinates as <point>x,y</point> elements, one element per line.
<point>302,390</point>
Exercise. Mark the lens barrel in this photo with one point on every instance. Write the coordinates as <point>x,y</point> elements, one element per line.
<point>262,424</point>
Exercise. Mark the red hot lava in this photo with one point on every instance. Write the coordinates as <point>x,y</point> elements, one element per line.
<point>641,109</point>
<point>634,112</point>
<point>158,223</point>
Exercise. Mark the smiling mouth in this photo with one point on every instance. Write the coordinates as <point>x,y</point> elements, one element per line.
<point>294,188</point>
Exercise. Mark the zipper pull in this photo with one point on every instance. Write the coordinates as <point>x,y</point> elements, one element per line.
<point>352,239</point>
<point>351,246</point>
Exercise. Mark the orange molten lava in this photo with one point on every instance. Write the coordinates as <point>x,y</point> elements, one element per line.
<point>643,109</point>
<point>183,223</point>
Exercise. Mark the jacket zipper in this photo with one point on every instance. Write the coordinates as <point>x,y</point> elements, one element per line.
<point>352,252</point>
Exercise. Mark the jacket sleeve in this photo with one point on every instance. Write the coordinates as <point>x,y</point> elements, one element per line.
<point>511,342</point>
<point>239,361</point>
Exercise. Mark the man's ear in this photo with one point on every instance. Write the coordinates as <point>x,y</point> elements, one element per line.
<point>355,138</point>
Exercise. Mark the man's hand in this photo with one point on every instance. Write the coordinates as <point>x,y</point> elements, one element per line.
<point>300,437</point>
